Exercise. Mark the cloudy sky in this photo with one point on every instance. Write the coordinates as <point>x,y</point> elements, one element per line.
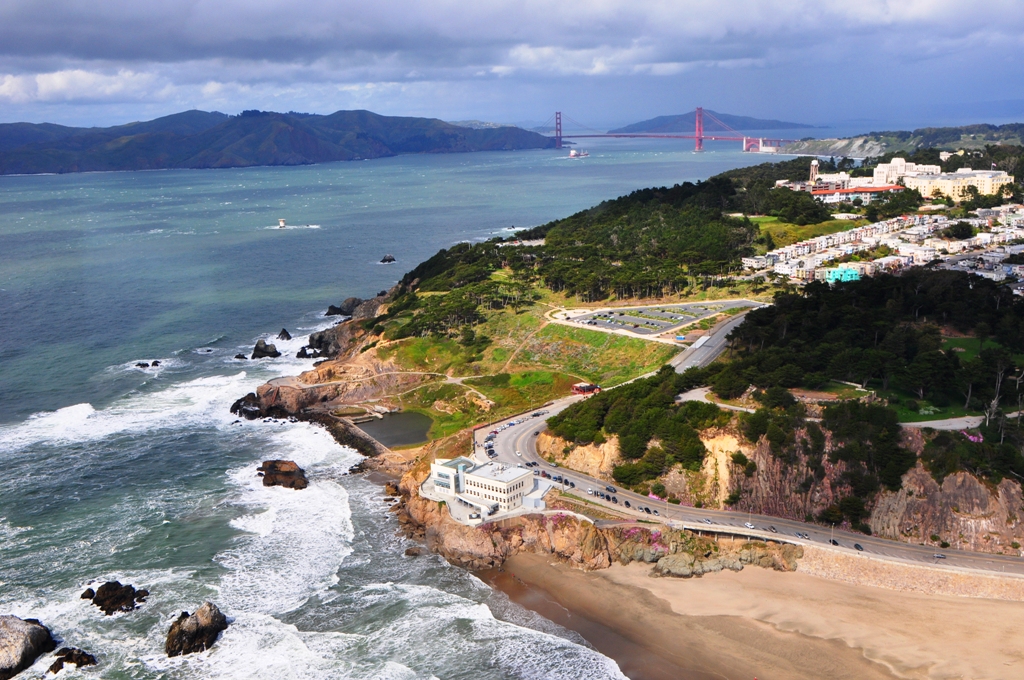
<point>859,63</point>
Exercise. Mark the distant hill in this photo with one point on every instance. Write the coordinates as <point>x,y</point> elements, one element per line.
<point>198,139</point>
<point>880,143</point>
<point>685,122</point>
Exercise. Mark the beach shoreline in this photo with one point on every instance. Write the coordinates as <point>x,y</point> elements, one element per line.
<point>767,624</point>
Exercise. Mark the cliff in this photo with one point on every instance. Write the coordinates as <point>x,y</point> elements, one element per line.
<point>962,512</point>
<point>578,542</point>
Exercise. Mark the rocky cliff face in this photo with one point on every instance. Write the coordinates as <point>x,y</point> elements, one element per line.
<point>579,543</point>
<point>596,460</point>
<point>962,511</point>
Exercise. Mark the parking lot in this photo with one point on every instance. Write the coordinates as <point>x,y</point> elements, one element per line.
<point>654,319</point>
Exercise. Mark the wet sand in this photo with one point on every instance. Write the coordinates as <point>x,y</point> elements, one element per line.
<point>769,625</point>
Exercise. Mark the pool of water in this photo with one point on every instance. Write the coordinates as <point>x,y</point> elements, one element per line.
<point>404,428</point>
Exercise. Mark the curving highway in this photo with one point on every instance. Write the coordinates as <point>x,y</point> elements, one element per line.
<point>515,444</point>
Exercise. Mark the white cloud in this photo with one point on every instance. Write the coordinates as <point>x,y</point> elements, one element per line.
<point>78,85</point>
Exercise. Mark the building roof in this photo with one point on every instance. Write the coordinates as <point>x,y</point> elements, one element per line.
<point>859,190</point>
<point>500,473</point>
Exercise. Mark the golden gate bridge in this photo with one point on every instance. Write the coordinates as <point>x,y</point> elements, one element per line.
<point>754,144</point>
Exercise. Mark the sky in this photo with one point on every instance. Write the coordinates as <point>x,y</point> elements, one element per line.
<point>867,64</point>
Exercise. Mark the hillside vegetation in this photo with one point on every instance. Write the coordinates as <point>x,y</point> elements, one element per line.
<point>197,139</point>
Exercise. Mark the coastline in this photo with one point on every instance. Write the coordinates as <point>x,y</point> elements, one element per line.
<point>657,637</point>
<point>767,624</point>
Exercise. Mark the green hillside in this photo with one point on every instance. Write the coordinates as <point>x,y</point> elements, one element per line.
<point>197,139</point>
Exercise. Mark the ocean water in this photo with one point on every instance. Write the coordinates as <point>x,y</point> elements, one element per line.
<point>112,471</point>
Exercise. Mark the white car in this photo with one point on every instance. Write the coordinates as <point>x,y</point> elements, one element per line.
<point>748,525</point>
<point>590,492</point>
<point>518,453</point>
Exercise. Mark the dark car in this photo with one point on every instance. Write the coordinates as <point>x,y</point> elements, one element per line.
<point>833,541</point>
<point>858,546</point>
<point>626,503</point>
<point>647,510</point>
<point>655,512</point>
<point>773,530</point>
<point>614,499</point>
<point>939,556</point>
<point>610,489</point>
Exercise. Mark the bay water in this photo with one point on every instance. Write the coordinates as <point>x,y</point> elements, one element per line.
<point>116,471</point>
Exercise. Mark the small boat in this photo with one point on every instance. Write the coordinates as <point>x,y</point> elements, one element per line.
<point>281,224</point>
<point>573,153</point>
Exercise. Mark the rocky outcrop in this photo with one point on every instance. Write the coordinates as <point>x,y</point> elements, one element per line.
<point>262,350</point>
<point>22,641</point>
<point>284,335</point>
<point>71,655</point>
<point>596,460</point>
<point>387,259</point>
<point>112,597</point>
<point>578,542</point>
<point>962,511</point>
<point>345,308</point>
<point>196,632</point>
<point>283,473</point>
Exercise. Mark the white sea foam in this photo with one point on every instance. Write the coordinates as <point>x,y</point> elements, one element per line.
<point>293,226</point>
<point>295,540</point>
<point>200,402</point>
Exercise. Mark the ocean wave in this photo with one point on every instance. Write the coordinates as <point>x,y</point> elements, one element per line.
<point>293,226</point>
<point>200,402</point>
<point>294,541</point>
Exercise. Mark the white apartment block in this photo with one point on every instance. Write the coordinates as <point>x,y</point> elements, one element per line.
<point>955,184</point>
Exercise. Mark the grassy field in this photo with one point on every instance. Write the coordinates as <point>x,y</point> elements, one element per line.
<point>784,233</point>
<point>517,392</point>
<point>601,358</point>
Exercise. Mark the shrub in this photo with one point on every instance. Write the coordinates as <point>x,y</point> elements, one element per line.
<point>658,489</point>
<point>739,458</point>
<point>674,501</point>
<point>863,528</point>
<point>750,468</point>
<point>1015,545</point>
<point>934,538</point>
<point>944,544</point>
<point>733,498</point>
<point>911,405</point>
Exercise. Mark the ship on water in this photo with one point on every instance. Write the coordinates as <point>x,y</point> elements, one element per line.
<point>573,153</point>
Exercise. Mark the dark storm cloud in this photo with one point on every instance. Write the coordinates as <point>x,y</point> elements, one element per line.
<point>231,53</point>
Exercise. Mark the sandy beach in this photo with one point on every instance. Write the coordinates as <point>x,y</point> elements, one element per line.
<point>769,625</point>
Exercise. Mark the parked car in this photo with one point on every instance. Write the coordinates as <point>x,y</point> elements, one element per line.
<point>655,511</point>
<point>647,510</point>
<point>833,541</point>
<point>939,556</point>
<point>706,520</point>
<point>614,499</point>
<point>590,492</point>
<point>610,489</point>
<point>858,546</point>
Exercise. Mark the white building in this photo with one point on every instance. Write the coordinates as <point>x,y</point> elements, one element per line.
<point>898,168</point>
<point>490,487</point>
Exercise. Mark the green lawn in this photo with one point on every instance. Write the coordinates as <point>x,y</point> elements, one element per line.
<point>784,233</point>
<point>602,358</point>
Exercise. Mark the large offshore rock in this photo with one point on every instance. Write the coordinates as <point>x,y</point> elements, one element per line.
<point>113,597</point>
<point>283,473</point>
<point>262,350</point>
<point>345,308</point>
<point>196,632</point>
<point>22,641</point>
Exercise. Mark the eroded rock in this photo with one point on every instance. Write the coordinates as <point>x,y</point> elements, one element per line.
<point>284,335</point>
<point>22,641</point>
<point>283,473</point>
<point>113,597</point>
<point>72,655</point>
<point>196,632</point>
<point>262,350</point>
<point>345,308</point>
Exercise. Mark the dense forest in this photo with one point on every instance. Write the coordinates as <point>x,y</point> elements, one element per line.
<point>884,333</point>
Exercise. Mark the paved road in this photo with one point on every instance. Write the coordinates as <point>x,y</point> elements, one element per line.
<point>709,351</point>
<point>516,445</point>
